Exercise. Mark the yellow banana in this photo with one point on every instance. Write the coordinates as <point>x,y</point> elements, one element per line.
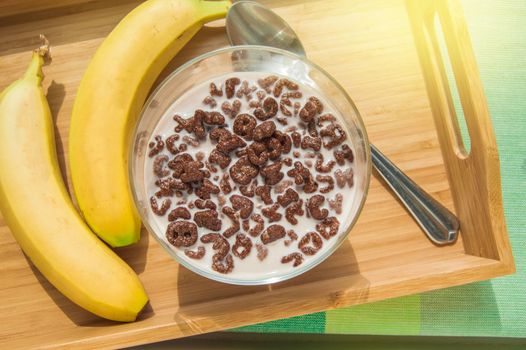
<point>41,216</point>
<point>110,97</point>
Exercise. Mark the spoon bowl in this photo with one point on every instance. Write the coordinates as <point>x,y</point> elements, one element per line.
<point>251,23</point>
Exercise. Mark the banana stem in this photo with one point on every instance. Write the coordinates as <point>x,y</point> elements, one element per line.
<point>34,71</point>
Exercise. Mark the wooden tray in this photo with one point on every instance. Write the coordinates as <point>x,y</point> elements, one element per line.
<point>368,46</point>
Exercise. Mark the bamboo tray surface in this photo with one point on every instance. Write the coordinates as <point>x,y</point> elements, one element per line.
<point>369,48</point>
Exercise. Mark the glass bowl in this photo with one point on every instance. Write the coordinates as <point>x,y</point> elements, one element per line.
<point>248,59</point>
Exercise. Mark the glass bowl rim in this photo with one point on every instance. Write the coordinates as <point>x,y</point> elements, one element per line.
<point>294,272</point>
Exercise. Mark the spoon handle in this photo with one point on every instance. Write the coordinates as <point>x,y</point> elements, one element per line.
<point>440,225</point>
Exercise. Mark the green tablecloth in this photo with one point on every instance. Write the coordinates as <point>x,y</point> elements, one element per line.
<point>491,308</point>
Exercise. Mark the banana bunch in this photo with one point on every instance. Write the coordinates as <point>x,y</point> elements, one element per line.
<point>109,100</point>
<point>33,198</point>
<point>41,216</point>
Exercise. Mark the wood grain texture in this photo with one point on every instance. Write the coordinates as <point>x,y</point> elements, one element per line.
<point>369,48</point>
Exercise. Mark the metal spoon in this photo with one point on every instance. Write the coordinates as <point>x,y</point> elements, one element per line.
<point>250,23</point>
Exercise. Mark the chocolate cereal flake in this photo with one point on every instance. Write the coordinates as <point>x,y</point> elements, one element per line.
<point>281,83</point>
<point>182,147</point>
<point>192,172</point>
<point>329,180</point>
<point>181,233</point>
<point>328,227</point>
<point>207,188</point>
<point>264,130</point>
<point>266,83</point>
<point>245,224</point>
<point>296,138</point>
<point>344,177</point>
<point>282,121</point>
<point>310,244</point>
<point>264,193</point>
<point>283,103</point>
<point>231,109</point>
<point>257,153</point>
<point>336,203</point>
<point>230,143</point>
<point>293,236</point>
<point>208,219</point>
<point>269,110</point>
<point>179,213</point>
<point>205,204</point>
<point>272,173</point>
<point>258,228</point>
<point>242,246</point>
<point>271,213</point>
<point>195,254</point>
<point>284,140</point>
<point>245,90</point>
<point>249,191</point>
<point>213,118</point>
<point>244,125</point>
<point>272,234</point>
<point>233,216</point>
<point>164,206</point>
<point>296,257</point>
<point>200,156</point>
<point>224,184</point>
<point>302,176</point>
<point>156,146</point>
<point>308,112</point>
<point>312,129</point>
<point>219,133</point>
<point>223,266</point>
<point>313,143</point>
<point>293,210</point>
<point>243,171</point>
<point>219,158</point>
<point>324,168</point>
<point>288,197</point>
<point>274,148</point>
<point>242,204</point>
<point>215,91</point>
<point>158,166</point>
<point>210,101</point>
<point>262,251</point>
<point>314,205</point>
<point>317,103</point>
<point>222,262</point>
<point>230,86</point>
<point>334,134</point>
<point>345,152</point>
<point>171,143</point>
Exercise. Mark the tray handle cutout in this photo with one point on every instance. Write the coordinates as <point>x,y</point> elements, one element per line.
<point>474,176</point>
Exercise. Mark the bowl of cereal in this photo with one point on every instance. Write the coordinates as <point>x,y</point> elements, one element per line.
<point>249,165</point>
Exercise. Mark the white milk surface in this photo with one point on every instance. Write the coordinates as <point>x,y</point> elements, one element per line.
<point>250,268</point>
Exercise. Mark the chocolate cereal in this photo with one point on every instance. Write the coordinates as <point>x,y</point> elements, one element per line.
<point>256,169</point>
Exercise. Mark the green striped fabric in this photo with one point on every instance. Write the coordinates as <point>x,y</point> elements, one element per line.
<point>491,308</point>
